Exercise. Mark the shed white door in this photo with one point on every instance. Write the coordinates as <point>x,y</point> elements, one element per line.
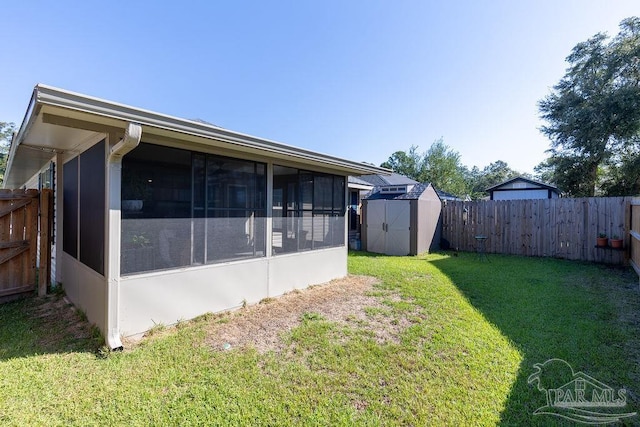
<point>388,226</point>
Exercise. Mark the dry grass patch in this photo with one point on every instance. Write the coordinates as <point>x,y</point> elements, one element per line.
<point>68,323</point>
<point>353,302</point>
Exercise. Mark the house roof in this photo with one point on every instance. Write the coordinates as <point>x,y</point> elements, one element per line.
<point>387,179</point>
<point>523,179</point>
<point>413,194</point>
<point>60,121</point>
<point>358,181</point>
<point>446,196</point>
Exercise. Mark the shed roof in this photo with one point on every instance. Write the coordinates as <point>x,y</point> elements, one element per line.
<point>413,194</point>
<point>58,120</point>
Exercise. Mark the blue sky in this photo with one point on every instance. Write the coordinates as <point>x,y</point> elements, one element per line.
<point>357,79</point>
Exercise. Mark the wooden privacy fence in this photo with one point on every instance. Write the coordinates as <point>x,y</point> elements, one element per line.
<point>20,222</point>
<point>560,228</point>
<point>634,235</point>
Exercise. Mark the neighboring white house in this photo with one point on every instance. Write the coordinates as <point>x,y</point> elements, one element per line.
<point>520,188</point>
<point>161,219</point>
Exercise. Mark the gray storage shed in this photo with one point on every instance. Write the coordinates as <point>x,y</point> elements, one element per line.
<point>401,219</point>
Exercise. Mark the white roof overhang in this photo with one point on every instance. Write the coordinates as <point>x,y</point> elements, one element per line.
<point>62,121</point>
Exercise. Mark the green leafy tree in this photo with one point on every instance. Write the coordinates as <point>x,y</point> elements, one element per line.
<point>594,111</point>
<point>495,173</point>
<point>567,173</point>
<point>6,132</point>
<point>405,163</point>
<point>621,175</point>
<point>439,165</point>
<point>444,170</point>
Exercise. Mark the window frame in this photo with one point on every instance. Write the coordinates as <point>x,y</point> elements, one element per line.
<point>302,208</point>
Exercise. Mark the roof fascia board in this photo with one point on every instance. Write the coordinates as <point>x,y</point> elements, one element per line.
<point>359,186</point>
<point>523,189</point>
<point>57,97</point>
<point>520,178</point>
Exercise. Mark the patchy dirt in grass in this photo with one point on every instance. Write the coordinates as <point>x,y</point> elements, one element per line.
<point>63,322</point>
<point>352,301</point>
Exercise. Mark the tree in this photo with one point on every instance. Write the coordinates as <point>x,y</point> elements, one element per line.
<point>405,163</point>
<point>495,173</point>
<point>443,169</point>
<point>440,166</point>
<point>621,176</point>
<point>6,132</point>
<point>594,111</point>
<point>567,173</point>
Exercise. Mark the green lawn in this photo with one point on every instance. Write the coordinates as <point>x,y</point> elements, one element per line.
<point>473,332</point>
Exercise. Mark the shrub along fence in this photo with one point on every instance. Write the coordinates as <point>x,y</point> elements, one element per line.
<point>560,228</point>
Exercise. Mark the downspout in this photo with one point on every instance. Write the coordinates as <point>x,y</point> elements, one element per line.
<point>130,141</point>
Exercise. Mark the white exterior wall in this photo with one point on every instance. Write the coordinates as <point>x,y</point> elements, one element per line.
<point>166,297</point>
<point>85,288</point>
<point>303,269</point>
<point>521,194</point>
<point>33,182</point>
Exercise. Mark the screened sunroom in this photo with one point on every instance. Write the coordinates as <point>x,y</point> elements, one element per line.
<point>183,208</point>
<point>161,219</point>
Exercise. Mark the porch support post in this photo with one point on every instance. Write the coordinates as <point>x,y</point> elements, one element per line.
<point>130,141</point>
<point>346,212</point>
<point>59,213</point>
<point>269,222</point>
<point>268,250</point>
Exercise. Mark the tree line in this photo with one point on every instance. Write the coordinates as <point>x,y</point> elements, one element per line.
<point>592,118</point>
<point>441,166</point>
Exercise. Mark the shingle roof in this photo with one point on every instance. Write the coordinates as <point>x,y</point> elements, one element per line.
<point>383,180</point>
<point>412,194</point>
<point>358,181</point>
<point>446,196</point>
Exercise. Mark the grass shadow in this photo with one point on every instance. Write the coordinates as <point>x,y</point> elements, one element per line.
<point>585,314</point>
<point>43,325</point>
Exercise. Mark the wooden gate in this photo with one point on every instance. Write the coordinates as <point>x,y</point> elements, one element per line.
<point>20,218</point>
